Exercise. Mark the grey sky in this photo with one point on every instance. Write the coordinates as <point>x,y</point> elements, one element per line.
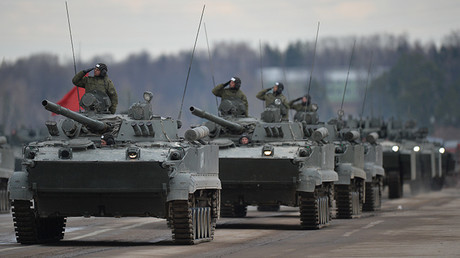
<point>122,27</point>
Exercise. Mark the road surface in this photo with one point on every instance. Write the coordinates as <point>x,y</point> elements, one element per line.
<point>424,225</point>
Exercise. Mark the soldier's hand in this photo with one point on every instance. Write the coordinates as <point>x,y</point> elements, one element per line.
<point>227,83</point>
<point>88,70</point>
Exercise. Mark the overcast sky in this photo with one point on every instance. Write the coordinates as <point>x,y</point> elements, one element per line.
<point>123,27</point>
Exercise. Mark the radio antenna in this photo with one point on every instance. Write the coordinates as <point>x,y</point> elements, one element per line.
<point>73,52</point>
<point>365,91</point>
<point>313,64</point>
<point>190,66</point>
<point>210,62</point>
<point>341,112</point>
<point>261,70</point>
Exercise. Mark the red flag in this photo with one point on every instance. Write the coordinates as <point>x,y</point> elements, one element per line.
<point>70,100</point>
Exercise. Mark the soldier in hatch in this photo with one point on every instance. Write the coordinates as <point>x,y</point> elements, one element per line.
<point>304,105</point>
<point>277,93</point>
<point>100,82</point>
<point>232,92</point>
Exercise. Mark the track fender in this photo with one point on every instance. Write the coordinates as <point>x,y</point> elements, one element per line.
<point>309,178</point>
<point>180,186</point>
<point>18,186</point>
<point>347,172</point>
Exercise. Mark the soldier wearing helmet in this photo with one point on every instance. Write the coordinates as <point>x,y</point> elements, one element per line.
<point>304,105</point>
<point>232,92</point>
<point>100,82</point>
<point>276,93</point>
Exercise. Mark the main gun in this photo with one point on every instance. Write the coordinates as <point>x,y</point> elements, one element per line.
<point>92,124</point>
<point>235,127</point>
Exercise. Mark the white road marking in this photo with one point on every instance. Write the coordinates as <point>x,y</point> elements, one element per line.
<point>91,234</point>
<point>139,224</point>
<point>372,224</point>
<point>109,229</point>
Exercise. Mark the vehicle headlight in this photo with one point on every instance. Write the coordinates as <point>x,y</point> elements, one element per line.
<point>395,148</point>
<point>416,148</point>
<point>133,153</point>
<point>442,150</point>
<point>267,150</point>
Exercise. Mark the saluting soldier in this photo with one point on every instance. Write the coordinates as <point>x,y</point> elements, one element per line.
<point>304,105</point>
<point>100,82</point>
<point>232,92</point>
<point>277,93</point>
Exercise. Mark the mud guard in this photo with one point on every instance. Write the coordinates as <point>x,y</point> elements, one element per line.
<point>309,178</point>
<point>347,172</point>
<point>18,186</point>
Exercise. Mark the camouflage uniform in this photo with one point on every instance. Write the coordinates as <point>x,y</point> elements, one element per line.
<point>300,107</point>
<point>270,99</point>
<point>103,84</point>
<point>228,93</point>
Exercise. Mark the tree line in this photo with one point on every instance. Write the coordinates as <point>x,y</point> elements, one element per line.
<point>416,81</point>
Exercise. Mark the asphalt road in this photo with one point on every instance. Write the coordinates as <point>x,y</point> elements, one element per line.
<point>426,225</point>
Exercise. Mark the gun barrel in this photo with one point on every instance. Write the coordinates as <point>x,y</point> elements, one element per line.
<point>218,120</point>
<point>91,123</point>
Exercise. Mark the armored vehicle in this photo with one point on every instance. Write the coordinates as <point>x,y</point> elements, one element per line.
<point>22,136</point>
<point>140,167</point>
<point>373,160</point>
<point>6,170</point>
<point>269,163</point>
<point>373,166</point>
<point>349,162</point>
<point>409,158</point>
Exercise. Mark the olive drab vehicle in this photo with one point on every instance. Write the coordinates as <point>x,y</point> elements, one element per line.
<point>408,157</point>
<point>6,170</point>
<point>145,170</point>
<point>373,160</point>
<point>269,163</point>
<point>349,163</point>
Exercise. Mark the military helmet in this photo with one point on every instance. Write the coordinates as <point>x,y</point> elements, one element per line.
<point>103,68</point>
<point>108,138</point>
<point>280,87</point>
<point>237,81</point>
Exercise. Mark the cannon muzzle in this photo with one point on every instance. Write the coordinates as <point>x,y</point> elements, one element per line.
<point>93,124</point>
<point>237,128</point>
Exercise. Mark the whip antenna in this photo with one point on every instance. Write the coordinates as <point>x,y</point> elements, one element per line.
<point>73,52</point>
<point>313,64</point>
<point>190,66</point>
<point>210,61</point>
<point>340,113</point>
<point>367,83</point>
<point>261,70</point>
